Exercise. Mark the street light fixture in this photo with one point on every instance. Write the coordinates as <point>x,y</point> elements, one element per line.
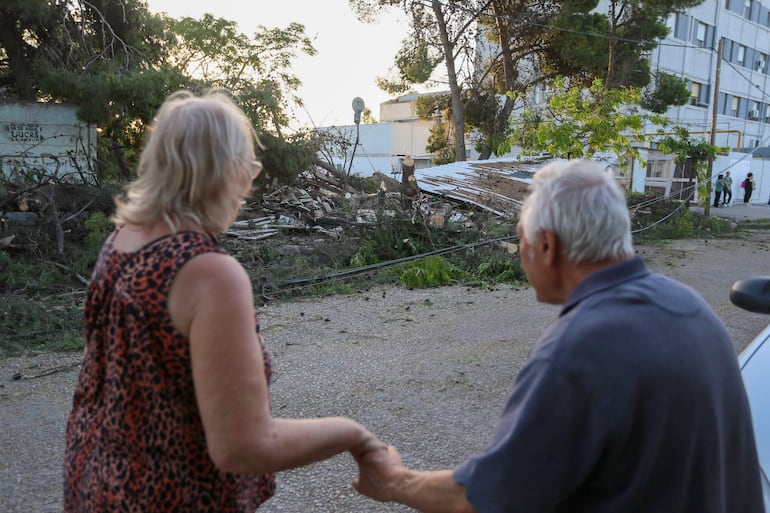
<point>358,107</point>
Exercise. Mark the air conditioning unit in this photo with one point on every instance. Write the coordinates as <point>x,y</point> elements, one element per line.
<point>754,114</point>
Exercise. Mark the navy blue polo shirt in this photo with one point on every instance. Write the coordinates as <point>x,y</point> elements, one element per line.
<point>632,401</point>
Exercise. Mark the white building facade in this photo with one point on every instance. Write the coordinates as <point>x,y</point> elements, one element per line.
<point>690,52</point>
<point>383,146</point>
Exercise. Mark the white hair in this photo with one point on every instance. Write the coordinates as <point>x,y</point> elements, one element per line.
<point>585,208</point>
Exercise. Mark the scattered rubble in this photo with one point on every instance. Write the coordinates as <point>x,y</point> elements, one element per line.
<point>321,203</point>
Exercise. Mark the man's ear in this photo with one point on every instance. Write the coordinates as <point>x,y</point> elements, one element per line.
<point>550,248</point>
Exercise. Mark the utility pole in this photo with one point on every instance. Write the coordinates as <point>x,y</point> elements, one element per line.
<point>714,111</point>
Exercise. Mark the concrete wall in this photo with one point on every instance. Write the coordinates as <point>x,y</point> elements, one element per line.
<point>373,150</point>
<point>398,109</point>
<point>36,137</point>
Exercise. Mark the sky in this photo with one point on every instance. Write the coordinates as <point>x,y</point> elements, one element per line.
<point>350,53</point>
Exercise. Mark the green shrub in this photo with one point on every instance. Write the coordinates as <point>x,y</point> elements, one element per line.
<point>31,274</point>
<point>687,224</point>
<point>48,324</point>
<point>432,271</point>
<point>99,227</point>
<point>501,269</point>
<point>366,255</point>
<point>364,184</point>
<point>80,261</point>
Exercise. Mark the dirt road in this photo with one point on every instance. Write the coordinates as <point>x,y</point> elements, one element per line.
<point>427,370</point>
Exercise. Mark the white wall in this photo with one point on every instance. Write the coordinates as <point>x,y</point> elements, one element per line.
<point>395,110</point>
<point>761,170</point>
<point>45,137</point>
<point>373,151</point>
<point>382,146</point>
<point>739,165</point>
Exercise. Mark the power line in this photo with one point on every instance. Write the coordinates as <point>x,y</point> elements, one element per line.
<point>747,79</point>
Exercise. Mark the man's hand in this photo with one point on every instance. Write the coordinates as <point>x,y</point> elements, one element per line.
<point>379,468</point>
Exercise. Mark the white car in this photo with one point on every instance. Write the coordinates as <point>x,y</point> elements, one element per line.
<point>753,294</point>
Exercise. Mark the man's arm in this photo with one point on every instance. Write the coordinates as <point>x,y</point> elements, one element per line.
<point>384,478</point>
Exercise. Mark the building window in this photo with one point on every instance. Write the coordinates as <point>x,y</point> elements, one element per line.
<point>701,34</point>
<point>736,104</point>
<point>656,168</point>
<point>741,55</point>
<point>682,26</point>
<point>754,111</point>
<point>761,61</point>
<point>747,9</point>
<point>694,93</point>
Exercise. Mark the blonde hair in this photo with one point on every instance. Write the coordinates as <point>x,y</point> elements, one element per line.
<point>194,162</point>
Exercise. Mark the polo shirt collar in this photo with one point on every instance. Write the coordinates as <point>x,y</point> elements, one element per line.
<point>604,279</point>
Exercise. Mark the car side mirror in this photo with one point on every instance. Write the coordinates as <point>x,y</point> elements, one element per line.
<point>752,294</point>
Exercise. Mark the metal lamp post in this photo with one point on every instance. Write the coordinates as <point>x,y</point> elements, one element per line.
<point>358,108</point>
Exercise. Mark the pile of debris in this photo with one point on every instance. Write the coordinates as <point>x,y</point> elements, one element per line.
<point>315,205</point>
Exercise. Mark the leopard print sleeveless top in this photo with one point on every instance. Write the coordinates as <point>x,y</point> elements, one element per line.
<point>134,439</point>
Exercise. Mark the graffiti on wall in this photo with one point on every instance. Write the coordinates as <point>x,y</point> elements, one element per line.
<point>25,132</point>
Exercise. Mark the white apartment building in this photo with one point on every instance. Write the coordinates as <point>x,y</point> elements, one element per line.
<point>690,51</point>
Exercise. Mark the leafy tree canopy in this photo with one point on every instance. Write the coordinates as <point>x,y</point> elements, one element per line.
<point>580,123</point>
<point>532,43</point>
<point>666,90</point>
<point>118,61</point>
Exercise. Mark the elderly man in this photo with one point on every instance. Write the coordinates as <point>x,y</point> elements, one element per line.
<point>631,401</point>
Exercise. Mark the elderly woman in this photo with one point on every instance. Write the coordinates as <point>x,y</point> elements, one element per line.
<point>171,411</point>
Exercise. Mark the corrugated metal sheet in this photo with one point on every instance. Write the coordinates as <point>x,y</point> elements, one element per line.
<point>498,186</point>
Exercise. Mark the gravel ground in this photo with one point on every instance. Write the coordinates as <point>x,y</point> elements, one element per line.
<point>427,370</point>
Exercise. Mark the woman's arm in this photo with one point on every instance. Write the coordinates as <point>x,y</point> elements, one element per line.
<point>211,302</point>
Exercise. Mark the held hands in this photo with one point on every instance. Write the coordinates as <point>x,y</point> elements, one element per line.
<point>379,468</point>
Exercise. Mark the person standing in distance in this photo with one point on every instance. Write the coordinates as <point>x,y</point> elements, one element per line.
<point>718,188</point>
<point>631,401</point>
<point>748,188</point>
<point>171,411</point>
<point>727,190</point>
